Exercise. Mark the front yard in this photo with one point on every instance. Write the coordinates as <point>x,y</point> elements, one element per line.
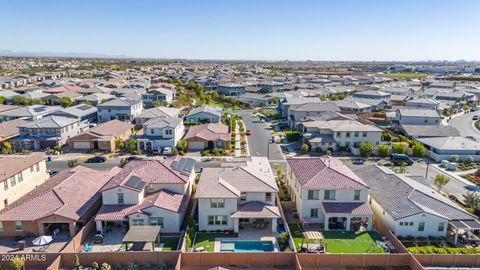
<point>207,240</point>
<point>342,242</point>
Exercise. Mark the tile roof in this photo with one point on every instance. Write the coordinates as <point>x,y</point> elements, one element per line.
<point>51,121</point>
<point>13,164</point>
<point>10,128</point>
<point>162,122</point>
<point>430,130</point>
<point>255,209</point>
<point>347,208</point>
<point>324,173</point>
<point>451,143</point>
<point>120,102</point>
<point>206,109</point>
<point>160,112</point>
<point>209,132</point>
<point>316,107</point>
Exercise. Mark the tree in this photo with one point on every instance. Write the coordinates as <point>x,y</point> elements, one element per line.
<point>454,158</point>
<point>19,100</point>
<point>305,148</point>
<point>366,149</point>
<point>131,145</point>
<point>119,144</point>
<point>440,181</point>
<point>7,148</point>
<point>158,103</point>
<point>399,148</point>
<point>17,263</point>
<point>469,160</point>
<point>383,150</point>
<point>65,102</point>
<point>471,200</point>
<point>72,163</point>
<point>418,150</point>
<point>2,100</point>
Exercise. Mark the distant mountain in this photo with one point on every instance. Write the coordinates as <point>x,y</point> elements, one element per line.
<point>60,54</point>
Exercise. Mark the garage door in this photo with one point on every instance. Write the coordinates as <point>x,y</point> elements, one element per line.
<point>196,145</point>
<point>81,145</point>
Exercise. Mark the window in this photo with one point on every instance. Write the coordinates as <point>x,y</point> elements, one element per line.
<point>339,134</point>
<point>425,121</point>
<point>5,185</point>
<point>268,197</point>
<point>168,132</point>
<point>157,221</point>
<point>217,203</point>
<point>1,226</point>
<point>314,213</point>
<point>243,196</point>
<point>152,131</point>
<point>31,169</point>
<point>356,134</point>
<point>441,226</point>
<point>329,195</point>
<point>20,177</point>
<point>401,223</point>
<point>217,220</point>
<point>347,134</point>
<point>37,167</point>
<point>12,181</point>
<point>137,222</point>
<point>120,198</point>
<point>5,202</point>
<point>421,226</point>
<point>364,134</point>
<point>356,196</point>
<point>411,223</point>
<point>313,195</point>
<point>18,225</point>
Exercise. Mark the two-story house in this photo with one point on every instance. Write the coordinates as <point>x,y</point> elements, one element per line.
<point>147,192</point>
<point>328,193</point>
<point>205,114</point>
<point>417,117</point>
<point>158,94</point>
<point>122,109</point>
<point>32,113</point>
<point>160,132</point>
<point>238,195</point>
<point>46,132</point>
<point>231,89</point>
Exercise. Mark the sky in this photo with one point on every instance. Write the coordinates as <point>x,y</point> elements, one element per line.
<point>340,30</point>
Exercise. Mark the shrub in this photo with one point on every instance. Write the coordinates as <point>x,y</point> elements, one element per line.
<point>189,123</point>
<point>383,150</point>
<point>399,148</point>
<point>72,163</point>
<point>305,148</point>
<point>95,265</point>
<point>418,150</point>
<point>366,149</point>
<point>174,151</point>
<point>454,158</point>
<point>469,160</point>
<point>293,135</point>
<point>283,238</point>
<point>387,137</point>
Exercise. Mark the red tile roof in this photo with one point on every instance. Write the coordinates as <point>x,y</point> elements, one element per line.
<point>324,173</point>
<point>347,208</point>
<point>208,132</point>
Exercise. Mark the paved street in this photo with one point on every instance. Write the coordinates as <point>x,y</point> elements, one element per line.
<point>464,124</point>
<point>59,165</point>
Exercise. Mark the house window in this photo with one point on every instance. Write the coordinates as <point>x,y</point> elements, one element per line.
<point>157,222</point>
<point>356,134</point>
<point>217,203</point>
<point>401,223</point>
<point>5,185</point>
<point>356,196</point>
<point>31,169</point>
<point>314,213</point>
<point>217,220</point>
<point>152,131</point>
<point>364,134</point>
<point>441,226</point>
<point>1,226</point>
<point>339,134</point>
<point>268,197</point>
<point>329,195</point>
<point>37,167</point>
<point>120,198</point>
<point>421,226</point>
<point>411,223</point>
<point>5,202</point>
<point>20,177</point>
<point>137,222</point>
<point>18,225</point>
<point>347,134</point>
<point>313,195</point>
<point>243,196</point>
<point>12,181</point>
<point>168,132</point>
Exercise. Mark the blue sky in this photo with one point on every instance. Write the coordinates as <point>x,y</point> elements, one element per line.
<point>247,29</point>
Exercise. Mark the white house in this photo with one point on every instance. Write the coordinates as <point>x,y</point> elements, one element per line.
<point>238,195</point>
<point>122,109</point>
<point>147,192</point>
<point>205,114</point>
<point>160,132</point>
<point>441,148</point>
<point>417,117</point>
<point>328,193</point>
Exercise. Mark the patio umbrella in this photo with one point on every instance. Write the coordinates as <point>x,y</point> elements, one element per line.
<point>42,240</point>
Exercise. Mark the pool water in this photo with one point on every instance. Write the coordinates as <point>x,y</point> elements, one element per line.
<point>246,246</point>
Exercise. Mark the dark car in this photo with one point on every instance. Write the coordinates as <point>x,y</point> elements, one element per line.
<point>97,159</point>
<point>133,158</point>
<point>399,159</point>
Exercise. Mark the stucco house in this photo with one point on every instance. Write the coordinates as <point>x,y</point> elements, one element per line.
<point>205,114</point>
<point>210,136</point>
<point>160,132</point>
<point>123,109</point>
<point>102,137</point>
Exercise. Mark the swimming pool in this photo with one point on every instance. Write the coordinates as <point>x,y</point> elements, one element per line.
<point>246,246</point>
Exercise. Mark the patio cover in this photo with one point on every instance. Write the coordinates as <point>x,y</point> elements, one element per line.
<point>313,235</point>
<point>141,234</point>
<point>361,209</point>
<point>465,224</point>
<point>256,209</point>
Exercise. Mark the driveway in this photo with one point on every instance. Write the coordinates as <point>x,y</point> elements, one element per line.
<point>464,124</point>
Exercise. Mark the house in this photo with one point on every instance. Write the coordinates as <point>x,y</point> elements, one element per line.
<point>208,136</point>
<point>83,112</point>
<point>102,137</point>
<point>49,131</point>
<point>428,131</point>
<point>298,112</point>
<point>96,90</point>
<point>20,175</point>
<point>158,94</point>
<point>205,114</point>
<point>54,99</point>
<point>95,99</point>
<point>254,99</point>
<point>376,104</point>
<point>373,94</point>
<point>9,129</point>
<point>237,196</point>
<point>417,117</point>
<point>147,192</point>
<point>408,207</point>
<point>156,112</point>
<point>353,106</point>
<point>122,109</point>
<point>327,192</point>
<point>346,134</point>
<point>441,148</point>
<point>32,113</point>
<point>231,89</point>
<point>288,101</point>
<point>424,103</point>
<point>160,132</point>
<point>58,205</point>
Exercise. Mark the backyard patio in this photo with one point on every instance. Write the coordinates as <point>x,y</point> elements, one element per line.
<point>342,241</point>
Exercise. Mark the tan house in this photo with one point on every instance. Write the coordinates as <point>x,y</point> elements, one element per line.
<point>9,129</point>
<point>102,137</point>
<point>20,175</point>
<point>205,136</point>
<point>60,206</point>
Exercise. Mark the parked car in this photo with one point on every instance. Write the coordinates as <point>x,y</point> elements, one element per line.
<point>399,159</point>
<point>249,132</point>
<point>358,161</point>
<point>167,150</point>
<point>476,117</point>
<point>157,151</point>
<point>52,172</point>
<point>97,159</point>
<point>133,158</point>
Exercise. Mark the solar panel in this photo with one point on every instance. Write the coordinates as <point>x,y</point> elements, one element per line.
<point>83,107</point>
<point>184,166</point>
<point>135,182</point>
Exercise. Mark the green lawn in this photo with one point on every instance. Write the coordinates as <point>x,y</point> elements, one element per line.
<point>343,242</point>
<point>169,242</point>
<point>207,240</point>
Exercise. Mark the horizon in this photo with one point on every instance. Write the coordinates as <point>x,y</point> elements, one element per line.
<point>355,31</point>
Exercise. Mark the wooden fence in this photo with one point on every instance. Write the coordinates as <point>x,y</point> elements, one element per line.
<point>261,259</point>
<point>75,244</point>
<point>384,231</point>
<point>449,260</point>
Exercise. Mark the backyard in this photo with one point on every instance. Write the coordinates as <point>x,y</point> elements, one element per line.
<point>207,240</point>
<point>342,241</point>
